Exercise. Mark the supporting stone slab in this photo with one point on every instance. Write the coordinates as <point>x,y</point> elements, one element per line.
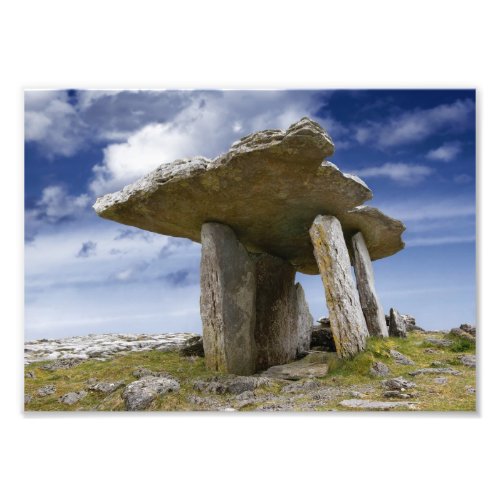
<point>346,317</point>
<point>365,280</point>
<point>276,336</point>
<point>305,321</point>
<point>228,298</point>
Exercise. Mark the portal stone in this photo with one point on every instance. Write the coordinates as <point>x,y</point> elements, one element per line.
<point>305,321</point>
<point>372,309</point>
<point>346,317</point>
<point>228,284</point>
<point>276,335</point>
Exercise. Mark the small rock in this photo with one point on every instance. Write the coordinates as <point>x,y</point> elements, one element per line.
<point>379,369</point>
<point>72,397</point>
<point>27,399</point>
<point>106,387</point>
<point>440,380</point>
<point>29,375</point>
<point>429,350</point>
<point>301,386</point>
<point>357,394</point>
<point>398,394</point>
<point>438,364</point>
<point>400,358</point>
<point>193,347</point>
<point>468,360</point>
<point>91,381</point>
<point>423,371</point>
<point>376,405</point>
<point>470,390</point>
<point>397,384</point>
<point>140,394</point>
<point>46,390</point>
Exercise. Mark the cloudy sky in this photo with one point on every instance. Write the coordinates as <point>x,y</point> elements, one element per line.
<point>414,148</point>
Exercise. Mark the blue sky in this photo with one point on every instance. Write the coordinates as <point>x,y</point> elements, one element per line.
<point>414,148</point>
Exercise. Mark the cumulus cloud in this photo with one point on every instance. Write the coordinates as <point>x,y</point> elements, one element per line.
<point>417,125</point>
<point>402,173</point>
<point>446,152</point>
<point>88,248</point>
<point>207,125</point>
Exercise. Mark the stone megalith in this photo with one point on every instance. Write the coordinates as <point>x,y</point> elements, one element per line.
<point>365,281</point>
<point>305,321</point>
<point>227,301</point>
<point>346,317</point>
<point>267,191</point>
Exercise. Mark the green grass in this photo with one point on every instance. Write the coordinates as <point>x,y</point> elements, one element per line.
<point>345,374</point>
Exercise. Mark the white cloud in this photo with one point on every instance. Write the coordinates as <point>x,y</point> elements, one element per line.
<point>207,126</point>
<point>415,126</point>
<point>446,152</point>
<point>402,173</point>
<point>440,240</point>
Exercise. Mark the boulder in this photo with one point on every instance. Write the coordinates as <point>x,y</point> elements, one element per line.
<point>397,384</point>
<point>193,347</point>
<point>71,398</point>
<point>309,367</point>
<point>365,282</point>
<point>458,332</point>
<point>106,387</point>
<point>397,326</point>
<point>346,317</point>
<point>468,360</point>
<point>468,328</point>
<point>268,188</point>
<point>140,394</point>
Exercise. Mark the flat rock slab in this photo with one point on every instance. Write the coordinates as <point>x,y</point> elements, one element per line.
<point>313,365</point>
<point>363,404</point>
<point>268,188</point>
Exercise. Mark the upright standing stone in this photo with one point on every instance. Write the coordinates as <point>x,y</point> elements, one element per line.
<point>372,309</point>
<point>227,301</point>
<point>346,317</point>
<point>397,326</point>
<point>305,321</point>
<point>276,311</point>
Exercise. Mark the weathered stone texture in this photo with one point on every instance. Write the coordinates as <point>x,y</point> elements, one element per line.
<point>268,187</point>
<point>346,317</point>
<point>397,326</point>
<point>227,304</point>
<point>372,309</point>
<point>276,334</point>
<point>305,320</point>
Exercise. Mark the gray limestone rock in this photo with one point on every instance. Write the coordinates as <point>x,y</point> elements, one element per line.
<point>140,394</point>
<point>397,384</point>
<point>397,326</point>
<point>46,390</point>
<point>324,321</point>
<point>400,358</point>
<point>228,298</point>
<point>439,342</point>
<point>364,404</point>
<point>365,281</point>
<point>425,371</point>
<point>193,347</point>
<point>106,387</point>
<point>440,380</point>
<point>276,332</point>
<point>309,367</point>
<point>304,320</point>
<point>468,360</point>
<point>458,332</point>
<point>468,328</point>
<point>72,397</point>
<point>346,317</point>
<point>27,399</point>
<point>232,385</point>
<point>268,187</point>
<point>379,369</point>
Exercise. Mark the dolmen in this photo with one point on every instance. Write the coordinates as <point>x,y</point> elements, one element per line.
<point>269,207</point>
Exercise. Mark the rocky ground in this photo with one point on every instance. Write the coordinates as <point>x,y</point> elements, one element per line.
<point>427,371</point>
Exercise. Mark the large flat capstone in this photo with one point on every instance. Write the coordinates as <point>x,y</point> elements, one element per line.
<point>268,188</point>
